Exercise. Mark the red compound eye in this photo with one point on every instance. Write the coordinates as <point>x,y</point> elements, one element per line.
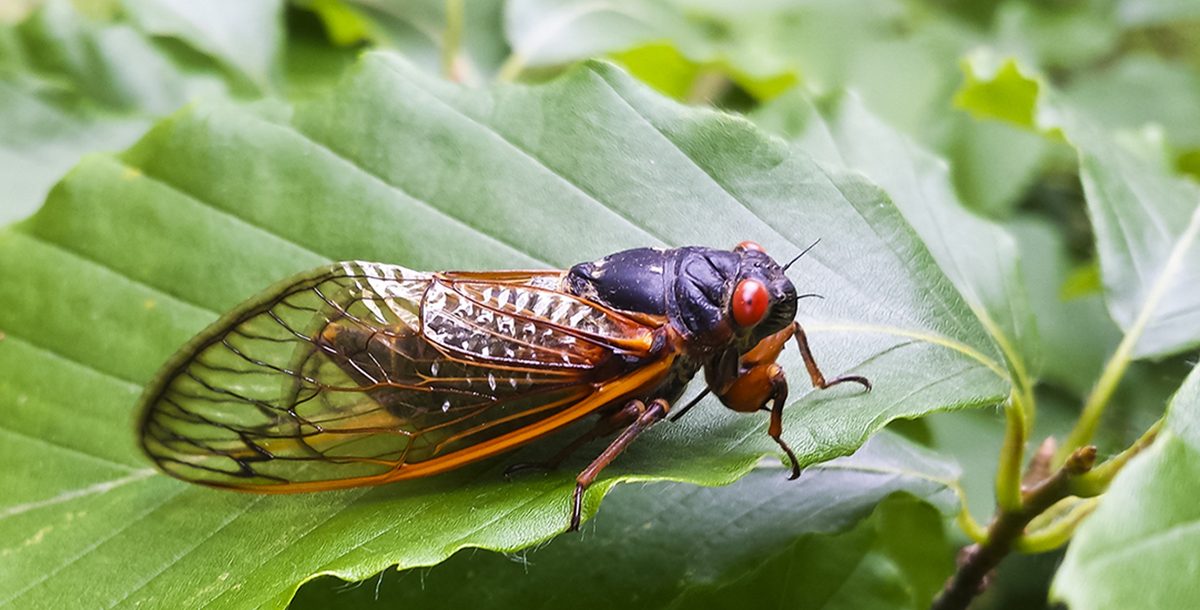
<point>750,245</point>
<point>750,300</point>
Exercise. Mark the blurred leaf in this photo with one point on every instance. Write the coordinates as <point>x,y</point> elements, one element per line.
<point>44,133</point>
<point>1116,96</point>
<point>312,63</point>
<point>663,67</point>
<point>108,62</point>
<point>1138,549</point>
<point>1153,12</point>
<point>992,163</point>
<point>396,165</point>
<point>1146,220</point>
<point>546,33</point>
<point>71,84</point>
<point>980,257</point>
<point>1062,35</point>
<point>1075,332</point>
<point>244,36</point>
<point>1001,92</point>
<point>677,545</point>
<point>1082,281</point>
<point>343,23</point>
<point>417,28</point>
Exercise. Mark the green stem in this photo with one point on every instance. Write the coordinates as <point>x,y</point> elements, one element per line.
<point>452,38</point>
<point>1098,479</point>
<point>1012,454</point>
<point>967,523</point>
<point>1059,532</point>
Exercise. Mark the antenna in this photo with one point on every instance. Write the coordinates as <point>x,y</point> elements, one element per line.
<point>805,251</point>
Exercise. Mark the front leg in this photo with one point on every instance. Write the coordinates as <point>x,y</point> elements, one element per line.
<point>761,381</point>
<point>814,373</point>
<point>752,390</point>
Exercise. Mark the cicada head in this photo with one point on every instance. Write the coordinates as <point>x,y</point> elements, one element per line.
<point>763,300</point>
<point>738,296</point>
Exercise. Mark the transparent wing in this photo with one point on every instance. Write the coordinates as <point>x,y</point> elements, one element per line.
<point>361,373</point>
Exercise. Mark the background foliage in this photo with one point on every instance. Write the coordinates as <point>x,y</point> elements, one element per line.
<point>1004,190</point>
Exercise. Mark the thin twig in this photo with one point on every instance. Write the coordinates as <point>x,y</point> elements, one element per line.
<point>977,561</point>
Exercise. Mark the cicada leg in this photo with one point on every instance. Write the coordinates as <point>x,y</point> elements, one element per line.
<point>607,425</point>
<point>646,416</point>
<point>761,382</point>
<point>814,373</point>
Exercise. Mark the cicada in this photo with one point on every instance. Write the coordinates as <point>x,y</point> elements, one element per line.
<point>362,373</point>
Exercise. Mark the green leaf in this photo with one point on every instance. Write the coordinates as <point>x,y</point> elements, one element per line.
<point>993,164</point>
<point>547,33</point>
<point>134,254</point>
<point>1063,36</point>
<point>72,84</point>
<point>43,134</point>
<point>1146,220</point>
<point>677,545</point>
<point>1137,550</point>
<point>979,256</point>
<point>898,559</point>
<point>107,61</point>
<point>1116,97</point>
<point>1075,332</point>
<point>417,29</point>
<point>245,36</point>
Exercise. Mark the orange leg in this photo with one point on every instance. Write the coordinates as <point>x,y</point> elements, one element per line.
<point>762,381</point>
<point>814,373</point>
<point>762,384</point>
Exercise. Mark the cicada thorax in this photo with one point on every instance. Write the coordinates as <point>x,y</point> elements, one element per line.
<point>692,288</point>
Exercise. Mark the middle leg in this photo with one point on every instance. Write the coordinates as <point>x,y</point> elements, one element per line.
<point>605,426</point>
<point>647,416</point>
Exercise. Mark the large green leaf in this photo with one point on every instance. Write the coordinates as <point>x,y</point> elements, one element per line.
<point>1146,220</point>
<point>672,544</point>
<point>979,256</point>
<point>133,254</point>
<point>1138,550</point>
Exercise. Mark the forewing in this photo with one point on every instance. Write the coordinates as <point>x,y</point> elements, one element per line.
<point>360,373</point>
